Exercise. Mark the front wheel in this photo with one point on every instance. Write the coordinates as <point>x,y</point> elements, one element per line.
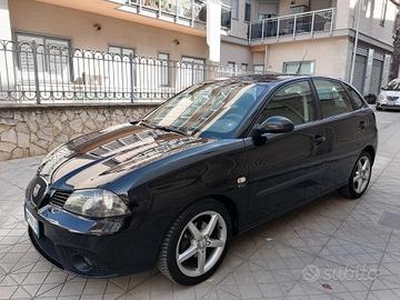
<point>359,178</point>
<point>196,243</point>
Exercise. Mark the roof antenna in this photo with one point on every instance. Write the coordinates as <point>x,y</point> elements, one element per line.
<point>301,63</point>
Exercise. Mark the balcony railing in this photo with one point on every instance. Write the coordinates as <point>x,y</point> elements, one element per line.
<point>36,73</point>
<point>192,12</point>
<point>295,25</point>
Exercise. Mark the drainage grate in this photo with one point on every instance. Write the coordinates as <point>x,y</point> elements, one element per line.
<point>389,219</point>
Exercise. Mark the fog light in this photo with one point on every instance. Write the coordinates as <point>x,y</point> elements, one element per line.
<point>82,263</point>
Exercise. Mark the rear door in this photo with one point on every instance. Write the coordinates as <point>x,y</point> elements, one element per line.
<point>287,169</point>
<point>343,130</point>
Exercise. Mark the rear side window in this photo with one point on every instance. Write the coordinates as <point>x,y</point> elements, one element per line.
<point>355,98</point>
<point>333,98</point>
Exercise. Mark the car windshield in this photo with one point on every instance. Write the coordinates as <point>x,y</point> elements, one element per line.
<point>394,85</point>
<point>211,109</point>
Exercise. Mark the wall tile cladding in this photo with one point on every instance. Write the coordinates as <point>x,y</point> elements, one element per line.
<point>28,131</point>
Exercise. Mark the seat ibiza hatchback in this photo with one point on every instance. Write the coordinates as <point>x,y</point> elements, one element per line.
<point>215,160</point>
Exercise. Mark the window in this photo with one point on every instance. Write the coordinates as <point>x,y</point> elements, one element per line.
<point>244,67</point>
<point>383,12</point>
<point>231,65</point>
<point>53,55</point>
<point>298,67</point>
<point>164,69</point>
<point>235,9</point>
<point>247,11</point>
<point>332,98</point>
<point>121,50</point>
<point>294,101</point>
<point>259,69</point>
<point>192,70</point>
<point>355,98</point>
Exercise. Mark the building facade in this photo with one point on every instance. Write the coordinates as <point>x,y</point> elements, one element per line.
<point>300,36</point>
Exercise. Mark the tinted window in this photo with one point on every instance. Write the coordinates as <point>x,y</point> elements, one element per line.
<point>355,98</point>
<point>333,98</point>
<point>294,101</point>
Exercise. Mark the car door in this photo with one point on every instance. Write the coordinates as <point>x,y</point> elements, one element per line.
<point>344,130</point>
<point>287,169</point>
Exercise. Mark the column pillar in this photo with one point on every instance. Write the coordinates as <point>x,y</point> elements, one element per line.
<point>368,71</point>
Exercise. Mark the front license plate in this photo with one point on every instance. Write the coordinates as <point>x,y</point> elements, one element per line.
<point>33,223</point>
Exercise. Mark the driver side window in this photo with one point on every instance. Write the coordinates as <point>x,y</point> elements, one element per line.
<point>294,101</point>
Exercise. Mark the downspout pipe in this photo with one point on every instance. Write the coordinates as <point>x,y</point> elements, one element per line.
<point>353,60</point>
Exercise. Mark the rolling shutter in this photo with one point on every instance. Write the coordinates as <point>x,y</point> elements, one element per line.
<point>360,67</point>
<point>376,77</point>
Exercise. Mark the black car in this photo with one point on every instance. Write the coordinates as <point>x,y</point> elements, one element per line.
<point>215,160</point>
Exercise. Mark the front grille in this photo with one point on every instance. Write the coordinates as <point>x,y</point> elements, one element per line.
<point>60,197</point>
<point>38,190</point>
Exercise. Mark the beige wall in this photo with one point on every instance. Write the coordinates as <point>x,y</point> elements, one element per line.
<point>330,55</point>
<point>371,12</point>
<point>35,17</point>
<point>235,53</point>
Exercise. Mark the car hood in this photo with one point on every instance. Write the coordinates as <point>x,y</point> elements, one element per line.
<point>100,157</point>
<point>388,93</point>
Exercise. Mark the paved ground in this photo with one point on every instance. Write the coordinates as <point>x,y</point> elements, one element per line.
<point>331,249</point>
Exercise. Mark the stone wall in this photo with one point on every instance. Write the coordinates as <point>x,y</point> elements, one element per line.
<point>27,130</point>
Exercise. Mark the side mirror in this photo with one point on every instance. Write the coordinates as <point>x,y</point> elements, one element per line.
<point>274,124</point>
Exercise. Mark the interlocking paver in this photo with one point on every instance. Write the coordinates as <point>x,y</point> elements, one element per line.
<point>302,255</point>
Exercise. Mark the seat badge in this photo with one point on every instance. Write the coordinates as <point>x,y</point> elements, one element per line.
<point>241,181</point>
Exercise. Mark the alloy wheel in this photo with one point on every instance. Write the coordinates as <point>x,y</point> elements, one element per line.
<point>201,243</point>
<point>362,174</point>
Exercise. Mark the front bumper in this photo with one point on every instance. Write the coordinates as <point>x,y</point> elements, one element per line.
<point>129,250</point>
<point>388,106</point>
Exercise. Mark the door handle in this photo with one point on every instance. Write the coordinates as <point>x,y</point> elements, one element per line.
<point>362,124</point>
<point>318,139</point>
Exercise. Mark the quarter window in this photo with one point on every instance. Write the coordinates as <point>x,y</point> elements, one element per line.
<point>355,98</point>
<point>294,101</point>
<point>333,98</point>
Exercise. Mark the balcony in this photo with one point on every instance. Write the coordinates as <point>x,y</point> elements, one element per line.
<point>293,26</point>
<point>190,13</point>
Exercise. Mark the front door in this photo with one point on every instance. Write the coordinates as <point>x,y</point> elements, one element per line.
<point>287,169</point>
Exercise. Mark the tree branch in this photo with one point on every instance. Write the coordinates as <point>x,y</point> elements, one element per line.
<point>396,3</point>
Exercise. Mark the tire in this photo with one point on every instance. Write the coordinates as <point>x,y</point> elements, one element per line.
<point>190,235</point>
<point>362,170</point>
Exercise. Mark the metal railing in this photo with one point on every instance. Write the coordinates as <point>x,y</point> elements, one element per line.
<point>301,24</point>
<point>37,73</point>
<point>192,11</point>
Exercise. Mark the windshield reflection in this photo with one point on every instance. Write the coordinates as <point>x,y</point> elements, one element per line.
<point>212,109</point>
<point>394,85</point>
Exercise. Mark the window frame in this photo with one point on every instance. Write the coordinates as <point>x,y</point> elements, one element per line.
<point>311,62</point>
<point>162,83</point>
<point>46,37</point>
<point>247,11</point>
<point>121,48</point>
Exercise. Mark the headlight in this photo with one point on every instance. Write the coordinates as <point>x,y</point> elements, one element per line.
<point>381,98</point>
<point>96,203</point>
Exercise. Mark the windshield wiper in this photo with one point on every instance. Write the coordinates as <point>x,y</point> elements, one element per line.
<point>165,128</point>
<point>171,129</point>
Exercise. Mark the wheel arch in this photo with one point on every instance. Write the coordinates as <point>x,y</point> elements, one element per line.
<point>371,151</point>
<point>232,209</point>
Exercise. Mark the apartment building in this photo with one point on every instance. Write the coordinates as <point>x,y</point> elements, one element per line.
<point>306,36</point>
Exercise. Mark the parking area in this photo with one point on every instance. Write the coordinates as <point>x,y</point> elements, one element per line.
<point>333,248</point>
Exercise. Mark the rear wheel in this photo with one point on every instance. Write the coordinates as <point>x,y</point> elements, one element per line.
<point>196,243</point>
<point>359,178</point>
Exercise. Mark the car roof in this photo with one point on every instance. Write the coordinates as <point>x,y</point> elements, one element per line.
<point>272,78</point>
